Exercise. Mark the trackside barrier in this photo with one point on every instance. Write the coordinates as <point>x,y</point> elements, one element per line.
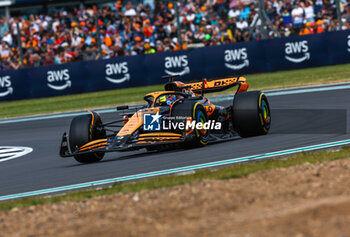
<point>121,72</point>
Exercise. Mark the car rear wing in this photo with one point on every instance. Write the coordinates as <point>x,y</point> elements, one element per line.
<point>216,85</point>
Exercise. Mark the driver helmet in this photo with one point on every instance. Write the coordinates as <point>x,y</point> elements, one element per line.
<point>162,99</point>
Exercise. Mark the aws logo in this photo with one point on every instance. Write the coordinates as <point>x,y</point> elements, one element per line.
<point>297,48</point>
<point>5,86</point>
<point>59,79</point>
<point>116,69</point>
<point>349,43</point>
<point>176,62</point>
<point>234,55</point>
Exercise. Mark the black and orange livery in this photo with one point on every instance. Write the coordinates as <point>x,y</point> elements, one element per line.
<point>247,114</point>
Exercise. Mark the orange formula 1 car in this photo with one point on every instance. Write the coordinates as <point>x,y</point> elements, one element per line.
<point>180,116</point>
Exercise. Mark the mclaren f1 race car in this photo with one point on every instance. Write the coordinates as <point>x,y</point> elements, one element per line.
<point>178,117</point>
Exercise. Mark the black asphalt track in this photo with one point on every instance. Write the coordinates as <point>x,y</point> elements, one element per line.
<point>297,120</point>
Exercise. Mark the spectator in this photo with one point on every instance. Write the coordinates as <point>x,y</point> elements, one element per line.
<point>89,54</point>
<point>3,27</point>
<point>318,7</point>
<point>7,38</point>
<point>4,49</point>
<point>309,11</point>
<point>67,36</point>
<point>271,11</point>
<point>242,24</point>
<point>347,13</point>
<point>130,11</point>
<point>308,29</point>
<point>149,48</point>
<point>244,12</point>
<point>298,16</point>
<point>34,60</point>
<point>287,17</point>
<point>76,40</point>
<point>48,60</point>
<point>319,26</point>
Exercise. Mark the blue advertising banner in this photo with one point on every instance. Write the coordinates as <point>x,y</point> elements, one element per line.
<point>216,61</point>
<point>120,72</point>
<point>234,59</point>
<point>297,52</point>
<point>339,47</point>
<point>14,85</point>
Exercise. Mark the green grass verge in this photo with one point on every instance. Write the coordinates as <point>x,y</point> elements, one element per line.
<point>172,180</point>
<point>302,77</point>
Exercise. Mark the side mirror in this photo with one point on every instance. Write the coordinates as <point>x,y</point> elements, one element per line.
<point>122,107</point>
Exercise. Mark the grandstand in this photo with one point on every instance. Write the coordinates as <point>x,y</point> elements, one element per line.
<point>58,32</point>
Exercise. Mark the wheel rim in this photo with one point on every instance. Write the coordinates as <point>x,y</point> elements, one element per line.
<point>202,118</point>
<point>265,112</point>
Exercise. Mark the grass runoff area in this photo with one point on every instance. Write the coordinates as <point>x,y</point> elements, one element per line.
<point>284,79</point>
<point>230,172</point>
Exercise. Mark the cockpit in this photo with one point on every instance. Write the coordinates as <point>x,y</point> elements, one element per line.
<point>166,99</point>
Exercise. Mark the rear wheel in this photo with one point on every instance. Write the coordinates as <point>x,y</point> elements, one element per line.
<point>251,114</point>
<point>83,129</point>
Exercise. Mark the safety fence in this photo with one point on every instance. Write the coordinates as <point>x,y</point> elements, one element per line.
<point>216,61</point>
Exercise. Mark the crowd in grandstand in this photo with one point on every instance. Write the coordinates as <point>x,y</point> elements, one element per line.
<point>127,29</point>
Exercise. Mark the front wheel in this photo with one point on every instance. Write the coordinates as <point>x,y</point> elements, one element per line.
<point>200,115</point>
<point>83,129</point>
<point>195,111</point>
<point>251,114</point>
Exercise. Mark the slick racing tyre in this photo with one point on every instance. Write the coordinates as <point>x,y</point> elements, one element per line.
<point>251,114</point>
<point>84,129</point>
<point>200,115</point>
<point>199,137</point>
